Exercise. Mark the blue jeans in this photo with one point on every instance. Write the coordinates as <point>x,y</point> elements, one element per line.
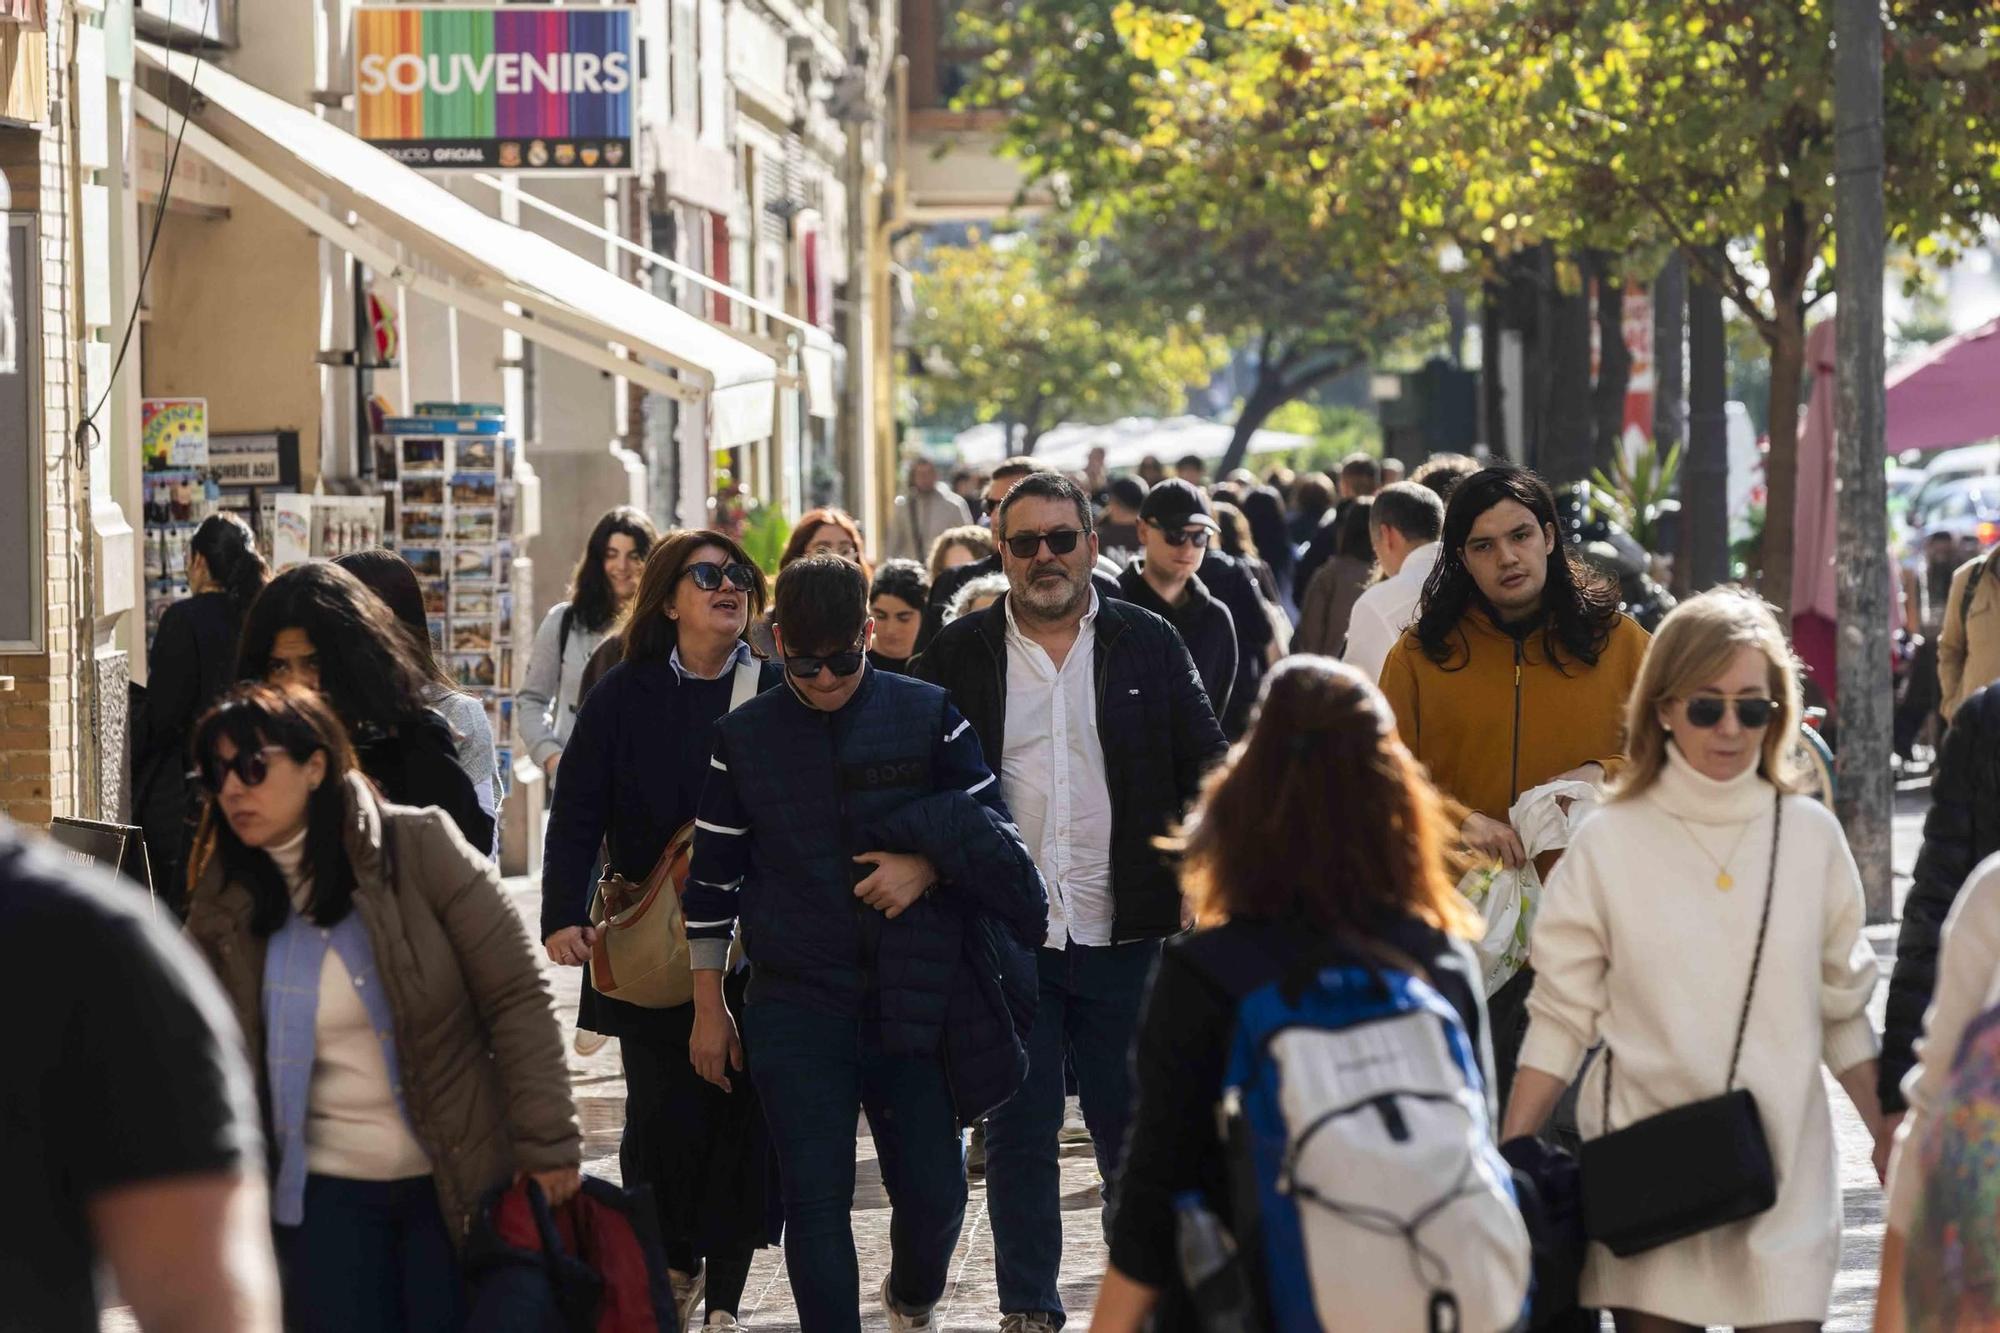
<point>372,1254</point>
<point>1089,1014</point>
<point>818,1068</point>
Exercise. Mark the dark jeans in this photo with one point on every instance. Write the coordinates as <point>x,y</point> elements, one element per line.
<point>1088,1015</point>
<point>816,1069</point>
<point>371,1254</point>
<point>1507,1013</point>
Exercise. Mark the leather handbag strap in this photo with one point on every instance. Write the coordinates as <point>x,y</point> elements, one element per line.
<point>1756,964</point>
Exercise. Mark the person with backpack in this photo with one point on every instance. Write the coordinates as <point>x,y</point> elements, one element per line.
<point>409,1057</point>
<point>631,781</point>
<point>1969,642</point>
<point>1324,929</point>
<point>1705,926</point>
<point>889,914</point>
<point>599,591</point>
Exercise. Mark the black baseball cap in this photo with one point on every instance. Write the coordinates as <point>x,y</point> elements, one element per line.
<point>1174,503</point>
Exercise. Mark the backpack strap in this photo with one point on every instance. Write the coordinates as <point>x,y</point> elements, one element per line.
<point>744,688</point>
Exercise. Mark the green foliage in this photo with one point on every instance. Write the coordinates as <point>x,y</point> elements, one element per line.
<point>765,532</point>
<point>1636,491</point>
<point>1336,432</point>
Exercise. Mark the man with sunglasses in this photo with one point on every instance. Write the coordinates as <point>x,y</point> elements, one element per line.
<point>1176,528</point>
<point>852,826</point>
<point>1095,717</point>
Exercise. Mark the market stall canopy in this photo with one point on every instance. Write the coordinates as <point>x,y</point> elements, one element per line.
<point>453,252</point>
<point>1949,395</point>
<point>1067,447</point>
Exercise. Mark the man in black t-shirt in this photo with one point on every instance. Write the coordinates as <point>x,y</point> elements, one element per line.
<point>128,1114</point>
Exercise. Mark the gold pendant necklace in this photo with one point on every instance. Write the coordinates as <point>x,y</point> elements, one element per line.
<point>1723,879</point>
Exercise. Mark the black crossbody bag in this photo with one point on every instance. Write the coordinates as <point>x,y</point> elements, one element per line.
<point>1693,1168</point>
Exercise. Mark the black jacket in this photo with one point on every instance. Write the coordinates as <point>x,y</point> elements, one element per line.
<point>949,582</point>
<point>1961,830</point>
<point>1153,720</point>
<point>1230,581</point>
<point>1205,626</point>
<point>193,659</point>
<point>417,764</point>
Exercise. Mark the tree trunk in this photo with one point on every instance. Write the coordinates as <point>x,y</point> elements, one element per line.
<point>1268,395</point>
<point>1867,788</point>
<point>1614,361</point>
<point>1705,475</point>
<point>1565,451</point>
<point>1492,394</point>
<point>1781,464</point>
<point>1669,329</point>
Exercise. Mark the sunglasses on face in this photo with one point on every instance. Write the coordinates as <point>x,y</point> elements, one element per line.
<point>1184,536</point>
<point>1061,542</point>
<point>249,766</point>
<point>1707,710</point>
<point>708,575</point>
<point>840,664</point>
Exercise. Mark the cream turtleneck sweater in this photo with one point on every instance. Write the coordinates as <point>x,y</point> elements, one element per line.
<point>1637,946</point>
<point>354,1128</point>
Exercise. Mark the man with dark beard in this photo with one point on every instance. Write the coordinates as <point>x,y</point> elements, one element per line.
<point>1091,712</point>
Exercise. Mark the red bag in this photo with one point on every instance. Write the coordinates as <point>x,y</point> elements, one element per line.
<point>594,1265</point>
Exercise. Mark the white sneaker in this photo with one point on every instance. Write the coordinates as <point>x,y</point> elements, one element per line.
<point>1032,1322</point>
<point>1074,1130</point>
<point>588,1042</point>
<point>721,1319</point>
<point>688,1291</point>
<point>899,1321</point>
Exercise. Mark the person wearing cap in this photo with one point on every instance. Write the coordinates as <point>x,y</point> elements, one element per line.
<point>1175,528</point>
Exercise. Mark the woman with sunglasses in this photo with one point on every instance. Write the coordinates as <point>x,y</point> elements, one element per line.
<point>320,628</point>
<point>409,1055</point>
<point>1651,929</point>
<point>632,776</point>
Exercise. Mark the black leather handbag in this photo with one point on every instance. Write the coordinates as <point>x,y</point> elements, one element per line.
<point>1693,1168</point>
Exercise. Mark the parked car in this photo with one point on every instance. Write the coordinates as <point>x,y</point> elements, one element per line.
<point>1968,508</point>
<point>1953,465</point>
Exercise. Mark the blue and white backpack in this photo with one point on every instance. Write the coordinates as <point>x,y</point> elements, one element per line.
<point>1361,1145</point>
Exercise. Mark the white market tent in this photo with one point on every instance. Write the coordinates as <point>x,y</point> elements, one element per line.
<point>1125,442</point>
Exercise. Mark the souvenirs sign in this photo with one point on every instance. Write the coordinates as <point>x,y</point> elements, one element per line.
<point>535,89</point>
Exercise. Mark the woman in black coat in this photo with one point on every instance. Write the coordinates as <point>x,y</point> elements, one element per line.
<point>193,659</point>
<point>319,627</point>
<point>632,774</point>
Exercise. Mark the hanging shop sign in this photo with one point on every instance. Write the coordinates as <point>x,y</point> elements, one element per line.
<point>173,432</point>
<point>536,89</point>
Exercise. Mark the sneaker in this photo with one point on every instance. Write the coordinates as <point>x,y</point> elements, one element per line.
<point>588,1042</point>
<point>1034,1321</point>
<point>722,1319</point>
<point>901,1321</point>
<point>975,1152</point>
<point>1074,1130</point>
<point>688,1291</point>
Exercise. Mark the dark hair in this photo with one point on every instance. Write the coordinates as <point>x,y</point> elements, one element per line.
<point>1258,843</point>
<point>1020,465</point>
<point>1443,472</point>
<point>905,580</point>
<point>252,716</point>
<point>649,635</point>
<point>229,549</point>
<point>1314,494</point>
<point>1235,530</point>
<point>822,604</point>
<point>1195,461</point>
<point>1127,490</point>
<point>1579,606</point>
<point>1413,510</point>
<point>1350,538</point>
<point>810,523</point>
<point>390,577</point>
<point>591,600</point>
<point>1045,486</point>
<point>1265,513</point>
<point>1362,470</point>
<point>368,671</point>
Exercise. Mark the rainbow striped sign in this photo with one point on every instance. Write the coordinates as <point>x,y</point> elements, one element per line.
<point>523,88</point>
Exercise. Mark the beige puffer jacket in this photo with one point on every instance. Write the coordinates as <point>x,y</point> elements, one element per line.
<point>481,1053</point>
<point>1969,646</point>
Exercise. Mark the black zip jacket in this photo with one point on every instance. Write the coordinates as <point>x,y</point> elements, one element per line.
<point>1205,626</point>
<point>1153,719</point>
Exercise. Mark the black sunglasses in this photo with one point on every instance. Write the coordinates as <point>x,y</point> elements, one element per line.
<point>708,575</point>
<point>250,767</point>
<point>1183,536</point>
<point>840,664</point>
<point>1061,542</point>
<point>1706,710</point>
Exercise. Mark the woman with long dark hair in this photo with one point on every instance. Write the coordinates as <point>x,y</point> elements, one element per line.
<point>1265,510</point>
<point>409,1056</point>
<point>599,591</point>
<point>1275,883</point>
<point>1327,605</point>
<point>390,578</point>
<point>319,627</point>
<point>631,780</point>
<point>193,658</point>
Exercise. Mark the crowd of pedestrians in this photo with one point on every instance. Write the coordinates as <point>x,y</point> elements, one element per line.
<point>1143,789</point>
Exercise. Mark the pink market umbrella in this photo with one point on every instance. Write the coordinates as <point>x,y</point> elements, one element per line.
<point>1814,590</point>
<point>1948,396</point>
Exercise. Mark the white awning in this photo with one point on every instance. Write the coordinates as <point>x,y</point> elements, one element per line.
<point>454,253</point>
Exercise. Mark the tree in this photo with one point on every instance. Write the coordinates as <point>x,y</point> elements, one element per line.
<point>1007,333</point>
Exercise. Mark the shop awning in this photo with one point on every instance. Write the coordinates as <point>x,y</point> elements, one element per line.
<point>452,252</point>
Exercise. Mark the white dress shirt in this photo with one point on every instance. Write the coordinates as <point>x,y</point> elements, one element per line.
<point>1052,774</point>
<point>1383,612</point>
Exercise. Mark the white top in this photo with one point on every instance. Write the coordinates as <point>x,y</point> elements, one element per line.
<point>1384,611</point>
<point>1636,944</point>
<point>545,705</point>
<point>1968,984</point>
<point>354,1128</point>
<point>1052,774</point>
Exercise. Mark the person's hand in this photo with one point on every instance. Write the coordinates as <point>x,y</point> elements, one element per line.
<point>571,946</point>
<point>714,1047</point>
<point>1885,1143</point>
<point>549,764</point>
<point>558,1186</point>
<point>898,880</point>
<point>1494,838</point>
